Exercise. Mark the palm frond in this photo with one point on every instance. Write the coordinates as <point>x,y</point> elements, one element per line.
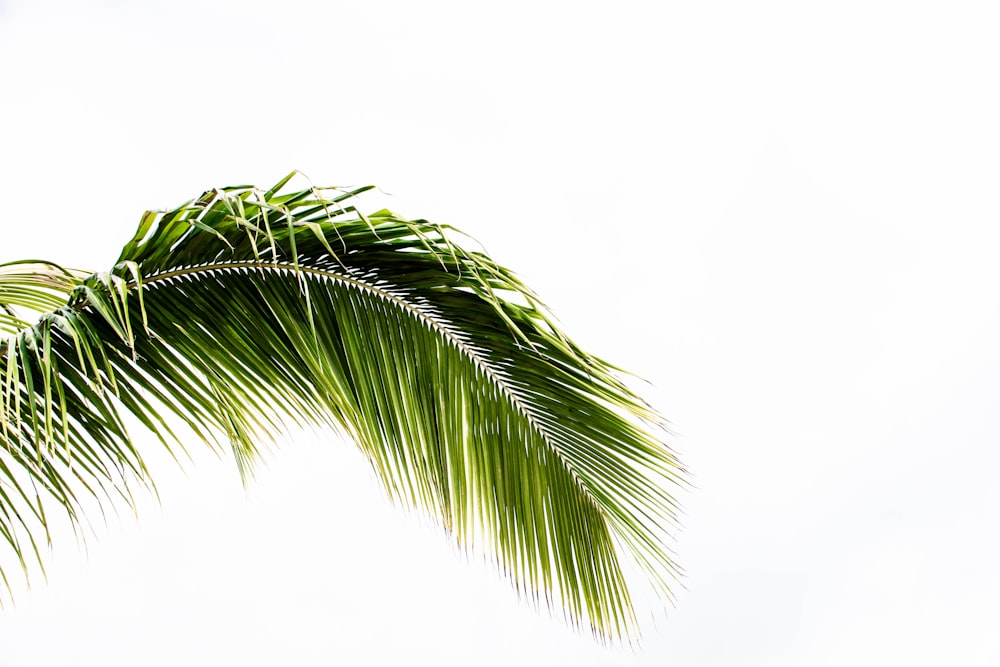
<point>244,310</point>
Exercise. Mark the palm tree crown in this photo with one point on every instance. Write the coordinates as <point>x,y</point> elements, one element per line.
<point>244,310</point>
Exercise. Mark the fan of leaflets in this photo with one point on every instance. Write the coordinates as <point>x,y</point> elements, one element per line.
<point>245,311</point>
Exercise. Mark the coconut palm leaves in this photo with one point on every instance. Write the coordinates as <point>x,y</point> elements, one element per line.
<point>245,310</point>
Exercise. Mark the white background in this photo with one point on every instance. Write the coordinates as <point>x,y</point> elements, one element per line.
<point>782,215</point>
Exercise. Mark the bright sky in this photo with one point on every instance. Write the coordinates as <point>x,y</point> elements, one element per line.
<point>783,215</point>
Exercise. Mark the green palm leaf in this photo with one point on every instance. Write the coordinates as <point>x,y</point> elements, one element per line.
<point>245,310</point>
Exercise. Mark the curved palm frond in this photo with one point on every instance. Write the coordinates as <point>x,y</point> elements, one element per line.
<point>244,309</point>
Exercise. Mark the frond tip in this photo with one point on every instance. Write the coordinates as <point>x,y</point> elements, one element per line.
<point>244,310</point>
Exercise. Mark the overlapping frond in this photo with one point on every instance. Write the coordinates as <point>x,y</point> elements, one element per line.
<point>244,310</point>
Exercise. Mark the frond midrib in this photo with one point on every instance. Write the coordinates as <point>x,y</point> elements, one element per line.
<point>482,363</point>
